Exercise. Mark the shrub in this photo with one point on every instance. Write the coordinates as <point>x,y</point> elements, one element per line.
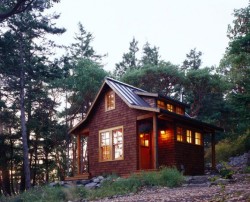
<point>225,171</point>
<point>171,177</point>
<point>228,148</point>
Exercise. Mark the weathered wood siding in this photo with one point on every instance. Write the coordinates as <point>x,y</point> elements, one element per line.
<point>166,148</point>
<point>124,116</point>
<point>190,157</point>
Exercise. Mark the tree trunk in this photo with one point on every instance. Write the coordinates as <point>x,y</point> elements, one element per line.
<point>6,181</point>
<point>23,123</point>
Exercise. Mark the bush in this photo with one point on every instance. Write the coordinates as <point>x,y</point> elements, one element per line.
<point>225,171</point>
<point>113,185</point>
<point>171,177</point>
<point>228,148</point>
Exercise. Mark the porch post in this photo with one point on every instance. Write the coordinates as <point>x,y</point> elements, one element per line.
<point>78,153</point>
<point>213,150</point>
<point>155,142</point>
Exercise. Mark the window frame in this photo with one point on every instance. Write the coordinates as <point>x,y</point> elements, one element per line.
<point>199,139</point>
<point>181,135</point>
<point>111,145</point>
<point>109,93</point>
<point>189,137</point>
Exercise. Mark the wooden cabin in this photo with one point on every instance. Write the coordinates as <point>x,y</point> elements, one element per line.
<point>128,129</point>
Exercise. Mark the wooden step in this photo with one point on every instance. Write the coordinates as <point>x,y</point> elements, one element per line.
<point>84,176</point>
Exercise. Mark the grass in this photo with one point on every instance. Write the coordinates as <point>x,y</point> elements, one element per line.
<point>112,186</point>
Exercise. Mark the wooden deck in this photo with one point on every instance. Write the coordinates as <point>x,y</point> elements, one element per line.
<point>84,176</point>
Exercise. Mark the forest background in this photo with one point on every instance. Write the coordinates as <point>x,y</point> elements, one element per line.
<point>34,119</point>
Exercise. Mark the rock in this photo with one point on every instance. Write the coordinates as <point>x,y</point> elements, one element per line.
<point>91,185</point>
<point>84,182</point>
<point>52,184</point>
<point>96,180</point>
<point>100,178</point>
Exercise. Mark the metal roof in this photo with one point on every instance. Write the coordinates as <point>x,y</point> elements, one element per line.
<point>128,92</point>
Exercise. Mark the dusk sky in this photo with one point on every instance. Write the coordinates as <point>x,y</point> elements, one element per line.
<point>174,26</point>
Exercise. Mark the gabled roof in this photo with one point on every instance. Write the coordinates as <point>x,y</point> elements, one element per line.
<point>133,97</point>
<point>129,94</point>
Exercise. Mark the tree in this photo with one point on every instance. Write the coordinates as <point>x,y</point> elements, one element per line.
<point>129,60</point>
<point>193,60</point>
<point>11,7</point>
<point>164,78</point>
<point>25,63</point>
<point>82,49</point>
<point>150,55</point>
<point>235,67</point>
<point>83,84</point>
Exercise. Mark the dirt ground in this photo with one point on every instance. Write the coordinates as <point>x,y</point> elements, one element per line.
<point>239,190</point>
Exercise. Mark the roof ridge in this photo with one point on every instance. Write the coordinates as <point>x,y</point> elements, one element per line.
<point>125,84</point>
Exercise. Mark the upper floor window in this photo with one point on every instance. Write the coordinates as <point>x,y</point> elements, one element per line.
<point>179,134</point>
<point>170,107</point>
<point>111,144</point>
<point>189,136</point>
<point>110,100</point>
<point>160,104</point>
<point>198,139</point>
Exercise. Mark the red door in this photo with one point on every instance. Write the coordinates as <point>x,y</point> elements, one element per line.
<point>145,151</point>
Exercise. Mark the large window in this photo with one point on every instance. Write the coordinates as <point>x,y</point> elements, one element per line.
<point>179,134</point>
<point>111,144</point>
<point>110,100</point>
<point>198,139</point>
<point>189,136</point>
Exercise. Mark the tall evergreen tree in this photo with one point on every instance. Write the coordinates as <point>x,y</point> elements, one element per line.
<point>150,55</point>
<point>236,67</point>
<point>24,61</point>
<point>193,60</point>
<point>129,60</point>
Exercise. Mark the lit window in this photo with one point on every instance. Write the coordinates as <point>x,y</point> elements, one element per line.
<point>189,136</point>
<point>145,139</point>
<point>110,101</point>
<point>111,144</point>
<point>170,107</point>
<point>197,138</point>
<point>179,133</point>
<point>179,110</point>
<point>160,104</point>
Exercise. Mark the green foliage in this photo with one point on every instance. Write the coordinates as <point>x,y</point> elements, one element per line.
<point>171,177</point>
<point>226,171</point>
<point>113,185</point>
<point>129,60</point>
<point>193,60</point>
<point>163,78</point>
<point>229,147</point>
<point>247,169</point>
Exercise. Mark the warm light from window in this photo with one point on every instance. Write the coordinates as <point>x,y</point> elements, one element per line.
<point>189,136</point>
<point>162,132</point>
<point>197,138</point>
<point>179,134</point>
<point>146,143</point>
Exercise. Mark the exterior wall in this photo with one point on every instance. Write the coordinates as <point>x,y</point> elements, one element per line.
<point>124,116</point>
<point>190,157</point>
<point>166,148</point>
<point>186,157</point>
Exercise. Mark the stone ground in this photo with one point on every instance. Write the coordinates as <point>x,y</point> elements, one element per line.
<point>239,190</point>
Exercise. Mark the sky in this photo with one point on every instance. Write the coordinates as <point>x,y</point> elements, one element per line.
<point>175,26</point>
